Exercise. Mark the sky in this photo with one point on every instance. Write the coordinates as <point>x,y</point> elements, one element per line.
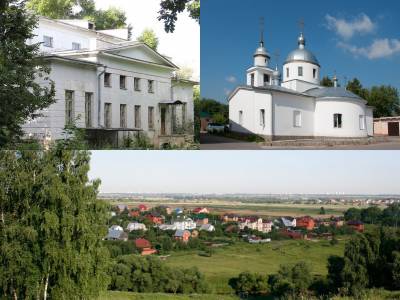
<point>183,45</point>
<point>247,172</point>
<point>357,38</point>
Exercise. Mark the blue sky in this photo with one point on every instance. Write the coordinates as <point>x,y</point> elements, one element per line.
<point>356,38</point>
<point>204,172</point>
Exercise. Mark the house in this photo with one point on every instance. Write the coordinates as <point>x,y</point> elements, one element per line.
<point>387,126</point>
<point>305,222</point>
<point>116,233</point>
<point>182,235</point>
<point>134,213</point>
<point>185,224</point>
<point>230,218</point>
<point>178,211</point>
<point>201,210</point>
<point>293,234</point>
<point>142,208</point>
<point>207,227</point>
<point>255,223</point>
<point>112,87</point>
<point>145,246</point>
<point>356,225</point>
<point>136,226</point>
<point>201,220</point>
<point>155,219</point>
<point>288,221</point>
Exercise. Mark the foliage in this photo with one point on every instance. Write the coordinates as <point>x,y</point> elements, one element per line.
<point>250,284</point>
<point>389,216</point>
<point>149,37</point>
<point>110,18</point>
<point>170,9</point>
<point>51,226</point>
<point>385,100</point>
<point>197,109</point>
<point>20,95</point>
<point>326,81</point>
<point>322,211</point>
<point>150,274</point>
<point>356,87</point>
<point>216,110</point>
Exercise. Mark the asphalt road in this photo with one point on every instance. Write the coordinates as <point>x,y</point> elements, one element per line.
<point>214,142</point>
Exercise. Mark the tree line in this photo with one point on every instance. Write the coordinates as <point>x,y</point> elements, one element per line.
<point>388,216</point>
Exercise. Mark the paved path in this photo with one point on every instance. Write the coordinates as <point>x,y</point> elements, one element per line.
<point>214,142</point>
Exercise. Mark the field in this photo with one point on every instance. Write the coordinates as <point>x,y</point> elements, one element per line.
<point>109,295</point>
<point>229,261</point>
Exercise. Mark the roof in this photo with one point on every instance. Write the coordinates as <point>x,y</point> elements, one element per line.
<point>332,92</point>
<point>302,55</point>
<point>70,60</point>
<point>180,232</point>
<point>394,118</point>
<point>171,102</point>
<point>261,51</point>
<point>142,243</point>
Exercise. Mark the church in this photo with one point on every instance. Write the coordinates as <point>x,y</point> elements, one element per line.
<point>295,105</point>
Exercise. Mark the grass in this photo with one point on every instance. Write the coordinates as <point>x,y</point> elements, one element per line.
<point>229,261</point>
<point>112,295</point>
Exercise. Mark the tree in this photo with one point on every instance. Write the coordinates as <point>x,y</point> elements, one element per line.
<point>250,284</point>
<point>335,271</point>
<point>385,100</point>
<point>326,81</point>
<point>352,214</point>
<point>149,37</point>
<point>356,87</point>
<point>21,96</point>
<point>51,226</point>
<point>322,211</point>
<point>170,9</point>
<point>110,18</point>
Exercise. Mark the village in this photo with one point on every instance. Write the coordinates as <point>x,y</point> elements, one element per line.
<point>185,227</point>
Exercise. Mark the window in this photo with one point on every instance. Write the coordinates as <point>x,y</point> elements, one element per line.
<point>91,26</point>
<point>314,72</point>
<point>287,72</point>
<point>300,71</point>
<point>69,107</point>
<point>122,115</point>
<point>151,117</point>
<point>266,79</point>
<point>88,109</point>
<point>137,116</point>
<point>362,122</point>
<point>107,79</point>
<point>296,118</point>
<point>240,117</point>
<point>262,117</point>
<point>337,120</point>
<point>122,82</point>
<point>136,82</point>
<point>150,86</point>
<point>76,46</point>
<point>107,115</point>
<point>252,79</point>
<point>47,41</point>
<point>183,113</point>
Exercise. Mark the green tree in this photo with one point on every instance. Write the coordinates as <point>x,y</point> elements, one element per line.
<point>21,96</point>
<point>385,100</point>
<point>51,227</point>
<point>110,18</point>
<point>326,81</point>
<point>322,211</point>
<point>371,215</point>
<point>356,87</point>
<point>149,37</point>
<point>352,214</point>
<point>250,284</point>
<point>171,8</point>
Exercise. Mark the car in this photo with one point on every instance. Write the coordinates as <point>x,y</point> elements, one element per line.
<point>215,128</point>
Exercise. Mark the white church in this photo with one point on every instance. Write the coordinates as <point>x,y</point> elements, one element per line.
<point>298,106</point>
<point>113,87</point>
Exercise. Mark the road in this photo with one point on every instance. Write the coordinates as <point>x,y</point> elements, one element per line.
<point>214,142</point>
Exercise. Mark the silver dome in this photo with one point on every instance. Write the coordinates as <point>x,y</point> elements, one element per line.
<point>302,55</point>
<point>261,51</point>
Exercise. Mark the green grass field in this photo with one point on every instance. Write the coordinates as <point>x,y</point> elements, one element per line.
<point>109,295</point>
<point>229,261</point>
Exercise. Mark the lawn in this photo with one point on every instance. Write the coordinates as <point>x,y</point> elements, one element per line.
<point>110,295</point>
<point>229,261</point>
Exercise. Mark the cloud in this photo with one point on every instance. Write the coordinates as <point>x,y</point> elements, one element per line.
<point>361,24</point>
<point>380,48</point>
<point>227,91</point>
<point>231,79</point>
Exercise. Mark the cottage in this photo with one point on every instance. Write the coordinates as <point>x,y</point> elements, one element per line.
<point>201,220</point>
<point>178,211</point>
<point>182,235</point>
<point>145,246</point>
<point>356,225</point>
<point>116,233</point>
<point>288,221</point>
<point>201,210</point>
<point>136,226</point>
<point>142,207</point>
<point>255,223</point>
<point>207,227</point>
<point>186,224</point>
<point>305,222</point>
<point>230,218</point>
<point>155,219</point>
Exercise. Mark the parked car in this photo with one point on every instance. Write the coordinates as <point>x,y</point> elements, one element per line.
<point>215,127</point>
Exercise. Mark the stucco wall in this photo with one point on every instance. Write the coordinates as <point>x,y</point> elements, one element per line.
<point>307,72</point>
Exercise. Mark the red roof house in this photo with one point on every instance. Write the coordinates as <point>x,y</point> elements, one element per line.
<point>145,246</point>
<point>142,207</point>
<point>305,222</point>
<point>356,225</point>
<point>200,210</point>
<point>155,219</point>
<point>134,213</point>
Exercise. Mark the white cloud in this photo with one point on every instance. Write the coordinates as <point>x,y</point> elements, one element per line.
<point>183,46</point>
<point>227,91</point>
<point>379,48</point>
<point>231,79</point>
<point>361,24</point>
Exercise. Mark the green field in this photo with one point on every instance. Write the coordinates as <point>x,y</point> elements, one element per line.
<point>144,296</point>
<point>229,261</point>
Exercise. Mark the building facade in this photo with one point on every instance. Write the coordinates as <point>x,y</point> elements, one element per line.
<point>112,87</point>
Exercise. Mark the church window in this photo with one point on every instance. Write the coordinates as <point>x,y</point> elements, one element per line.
<point>69,107</point>
<point>136,84</point>
<point>262,117</point>
<point>287,72</point>
<point>107,79</point>
<point>88,109</point>
<point>297,118</point>
<point>314,72</point>
<point>362,122</point>
<point>337,120</point>
<point>252,79</point>
<point>266,79</point>
<point>107,115</point>
<point>122,82</point>
<point>300,71</point>
<point>240,117</point>
<point>47,41</point>
<point>122,115</point>
<point>137,117</point>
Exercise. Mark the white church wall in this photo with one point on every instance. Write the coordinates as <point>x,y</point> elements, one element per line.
<point>307,72</point>
<point>299,85</point>
<point>370,120</point>
<point>285,106</point>
<point>350,109</point>
<point>184,93</point>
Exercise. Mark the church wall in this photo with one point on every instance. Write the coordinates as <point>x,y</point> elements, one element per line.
<point>350,109</point>
<point>370,121</point>
<point>299,86</point>
<point>285,106</point>
<point>307,72</point>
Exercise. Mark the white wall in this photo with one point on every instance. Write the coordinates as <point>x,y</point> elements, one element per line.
<point>259,75</point>
<point>370,120</point>
<point>350,109</point>
<point>299,85</point>
<point>307,72</point>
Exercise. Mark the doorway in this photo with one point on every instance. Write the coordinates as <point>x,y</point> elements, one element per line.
<point>393,129</point>
<point>163,114</point>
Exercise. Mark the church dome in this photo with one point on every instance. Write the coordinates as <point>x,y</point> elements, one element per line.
<point>302,54</point>
<point>261,51</point>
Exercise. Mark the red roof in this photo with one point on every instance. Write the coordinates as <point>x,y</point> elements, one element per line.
<point>142,207</point>
<point>142,243</point>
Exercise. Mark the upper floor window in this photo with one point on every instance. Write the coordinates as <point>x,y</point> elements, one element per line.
<point>337,120</point>
<point>150,87</point>
<point>107,79</point>
<point>287,72</point>
<point>122,82</point>
<point>266,79</point>
<point>300,71</point>
<point>314,73</point>
<point>252,79</point>
<point>76,46</point>
<point>136,83</point>
<point>47,41</point>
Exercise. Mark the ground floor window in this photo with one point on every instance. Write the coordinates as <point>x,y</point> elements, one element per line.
<point>262,117</point>
<point>122,116</point>
<point>88,109</point>
<point>69,107</point>
<point>240,117</point>
<point>137,116</point>
<point>252,79</point>
<point>362,122</point>
<point>297,118</point>
<point>151,117</point>
<point>337,120</point>
<point>107,115</point>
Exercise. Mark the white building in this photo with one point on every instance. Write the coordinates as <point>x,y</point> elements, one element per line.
<point>255,224</point>
<point>207,227</point>
<point>109,85</point>
<point>136,226</point>
<point>297,107</point>
<point>186,224</point>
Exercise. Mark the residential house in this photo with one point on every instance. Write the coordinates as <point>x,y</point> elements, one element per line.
<point>142,208</point>
<point>178,211</point>
<point>134,213</point>
<point>207,227</point>
<point>155,218</point>
<point>182,235</point>
<point>305,222</point>
<point>356,225</point>
<point>136,226</point>
<point>144,246</point>
<point>116,233</point>
<point>230,218</point>
<point>255,223</point>
<point>288,221</point>
<point>185,224</point>
<point>201,220</point>
<point>201,210</point>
